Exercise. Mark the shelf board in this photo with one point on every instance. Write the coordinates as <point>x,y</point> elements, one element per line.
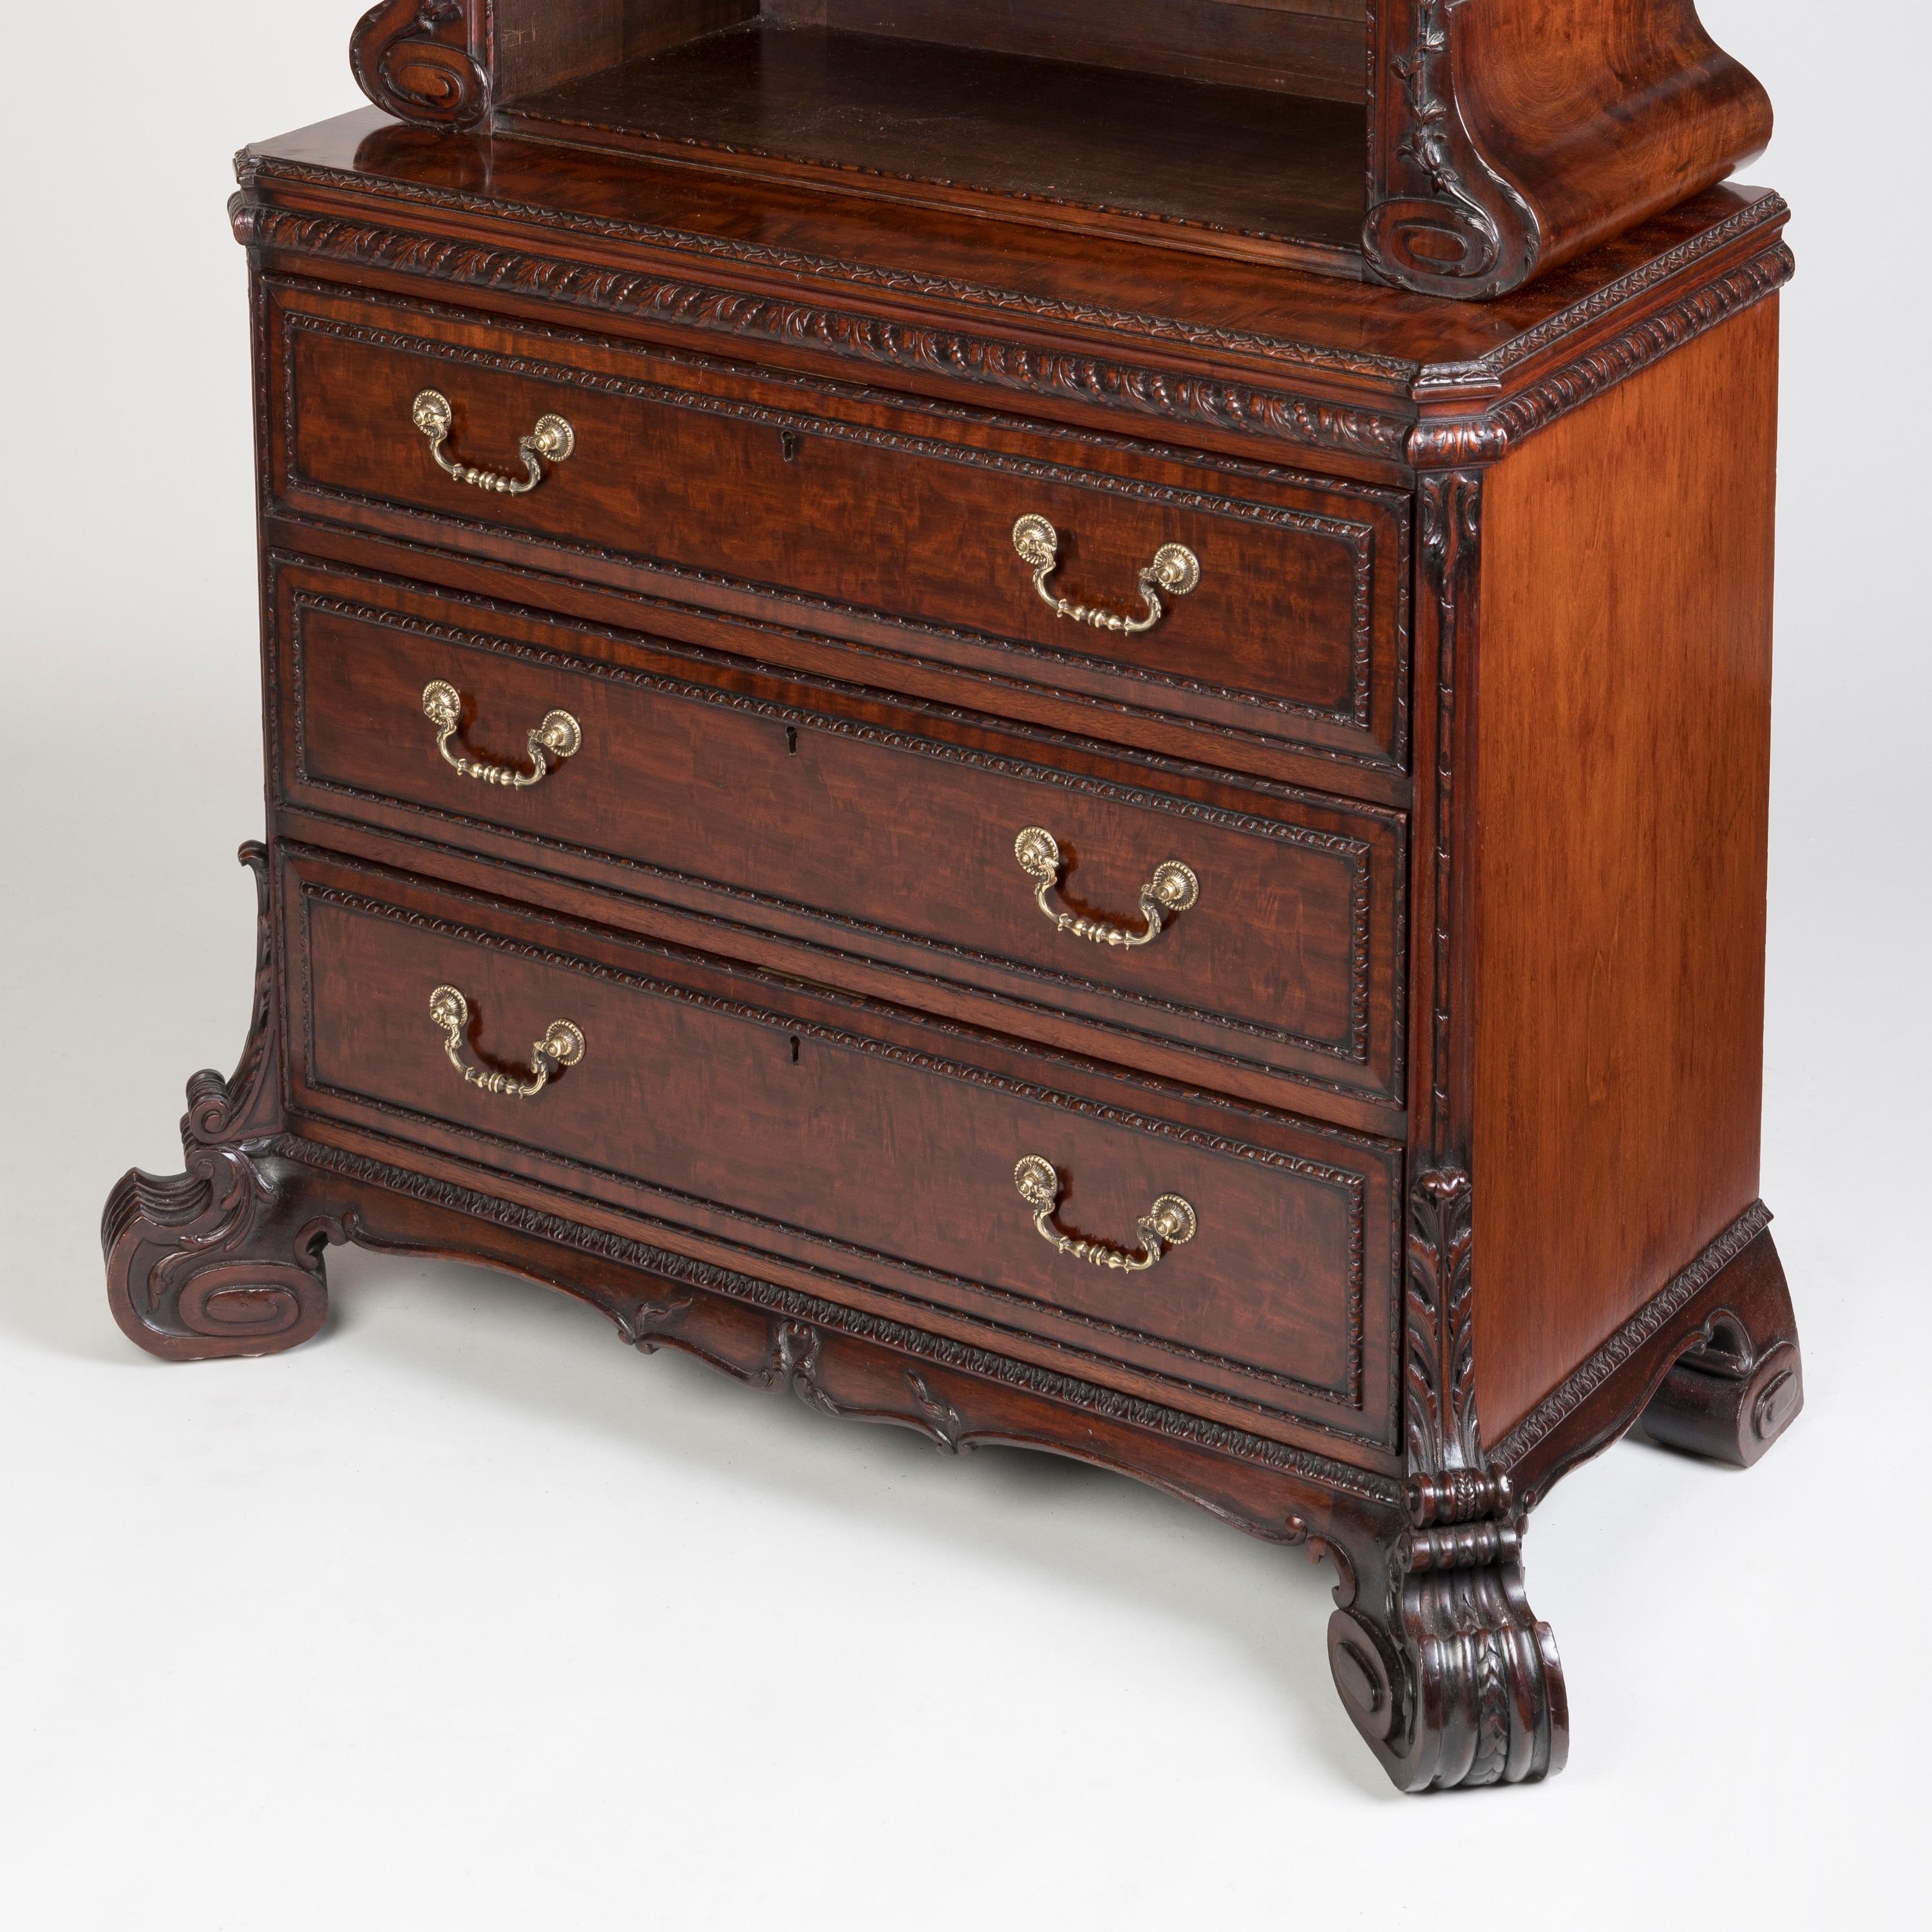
<point>1196,165</point>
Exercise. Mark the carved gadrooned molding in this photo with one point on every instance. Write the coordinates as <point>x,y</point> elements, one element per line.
<point>1171,396</point>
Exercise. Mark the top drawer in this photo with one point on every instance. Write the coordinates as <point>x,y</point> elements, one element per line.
<point>892,519</point>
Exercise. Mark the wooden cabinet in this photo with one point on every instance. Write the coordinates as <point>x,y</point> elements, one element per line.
<point>1051,818</point>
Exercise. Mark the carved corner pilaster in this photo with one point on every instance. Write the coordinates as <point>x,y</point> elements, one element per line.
<point>247,1105</point>
<point>1442,220</point>
<point>1440,1662</point>
<point>417,60</point>
<point>1444,1436</point>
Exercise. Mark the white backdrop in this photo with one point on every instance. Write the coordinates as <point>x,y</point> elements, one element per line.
<point>462,1616</point>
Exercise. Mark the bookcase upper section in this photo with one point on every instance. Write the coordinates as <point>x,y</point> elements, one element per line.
<point>1455,147</point>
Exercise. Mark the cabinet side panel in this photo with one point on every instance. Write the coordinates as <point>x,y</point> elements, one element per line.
<point>1623,781</point>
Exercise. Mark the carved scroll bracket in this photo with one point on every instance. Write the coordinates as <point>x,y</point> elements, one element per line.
<point>1440,1661</point>
<point>416,59</point>
<point>1440,219</point>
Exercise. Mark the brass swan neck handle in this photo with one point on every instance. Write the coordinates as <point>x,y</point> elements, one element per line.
<point>552,441</point>
<point>559,736</point>
<point>1174,572</point>
<point>1173,888</point>
<point>1167,1224</point>
<point>563,1045</point>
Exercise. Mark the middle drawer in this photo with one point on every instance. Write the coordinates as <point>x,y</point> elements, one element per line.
<point>1211,928</point>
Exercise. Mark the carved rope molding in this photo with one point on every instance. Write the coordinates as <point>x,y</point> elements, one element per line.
<point>1563,1402</point>
<point>794,1305</point>
<point>1170,395</point>
<point>1156,763</point>
<point>1771,210</point>
<point>1451,535</point>
<point>1648,341</point>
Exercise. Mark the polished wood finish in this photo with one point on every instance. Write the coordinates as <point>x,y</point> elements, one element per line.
<point>691,479</point>
<point>880,830</point>
<point>1239,169</point>
<point>1452,1053</point>
<point>1508,137</point>
<point>874,1148</point>
<point>1624,773</point>
<point>1455,150</point>
<point>1311,48</point>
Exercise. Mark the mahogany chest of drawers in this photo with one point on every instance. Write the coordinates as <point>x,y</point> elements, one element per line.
<point>1036,835</point>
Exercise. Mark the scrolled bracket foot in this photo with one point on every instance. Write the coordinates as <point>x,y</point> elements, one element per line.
<point>224,1259</point>
<point>1741,1384</point>
<point>1441,1663</point>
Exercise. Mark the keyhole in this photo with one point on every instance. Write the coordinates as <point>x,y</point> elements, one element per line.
<point>788,444</point>
<point>791,741</point>
<point>794,1049</point>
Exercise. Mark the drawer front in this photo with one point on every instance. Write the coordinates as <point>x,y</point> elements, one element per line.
<point>879,1151</point>
<point>883,830</point>
<point>696,480</point>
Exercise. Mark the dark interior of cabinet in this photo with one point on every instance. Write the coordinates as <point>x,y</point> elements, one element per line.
<point>1237,126</point>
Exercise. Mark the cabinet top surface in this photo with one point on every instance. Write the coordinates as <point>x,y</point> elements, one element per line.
<point>611,206</point>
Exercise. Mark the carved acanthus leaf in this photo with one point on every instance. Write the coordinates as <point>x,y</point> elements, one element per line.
<point>1440,219</point>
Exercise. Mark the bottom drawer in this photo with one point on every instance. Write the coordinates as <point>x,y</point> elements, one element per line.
<point>877,1147</point>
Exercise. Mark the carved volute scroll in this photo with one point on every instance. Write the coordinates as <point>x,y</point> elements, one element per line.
<point>225,1258</point>
<point>1440,220</point>
<point>1440,1661</point>
<point>1506,136</point>
<point>417,60</point>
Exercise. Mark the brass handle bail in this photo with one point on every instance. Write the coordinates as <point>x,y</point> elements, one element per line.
<point>562,1046</point>
<point>552,441</point>
<point>559,736</point>
<point>1173,888</point>
<point>1175,571</point>
<point>1167,1224</point>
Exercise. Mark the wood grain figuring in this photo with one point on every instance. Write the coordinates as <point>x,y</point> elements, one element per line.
<point>1623,774</point>
<point>1308,47</point>
<point>538,43</point>
<point>1228,352</point>
<point>1502,140</point>
<point>888,829</point>
<point>1508,137</point>
<point>1662,110</point>
<point>690,476</point>
<point>727,1102</point>
<point>1025,138</point>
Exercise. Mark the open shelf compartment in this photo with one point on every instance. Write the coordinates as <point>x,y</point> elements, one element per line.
<point>1057,143</point>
